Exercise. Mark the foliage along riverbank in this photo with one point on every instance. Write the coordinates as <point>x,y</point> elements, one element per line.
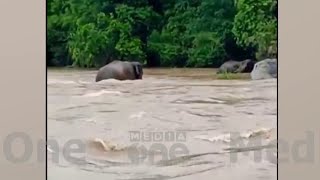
<point>160,33</point>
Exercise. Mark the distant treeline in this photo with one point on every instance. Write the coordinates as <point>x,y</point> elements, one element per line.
<point>160,33</point>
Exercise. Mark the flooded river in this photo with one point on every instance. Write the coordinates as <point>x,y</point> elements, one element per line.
<point>188,114</point>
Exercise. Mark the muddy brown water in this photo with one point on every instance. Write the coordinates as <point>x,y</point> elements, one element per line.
<point>168,108</point>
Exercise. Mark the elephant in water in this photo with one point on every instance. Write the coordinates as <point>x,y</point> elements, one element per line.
<point>120,70</point>
<point>232,66</point>
<point>245,66</point>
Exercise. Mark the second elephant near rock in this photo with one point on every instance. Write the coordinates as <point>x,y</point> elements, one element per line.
<point>231,66</point>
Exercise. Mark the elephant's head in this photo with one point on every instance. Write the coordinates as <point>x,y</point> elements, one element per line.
<point>245,66</point>
<point>138,72</point>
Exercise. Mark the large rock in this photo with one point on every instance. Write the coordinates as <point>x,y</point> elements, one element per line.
<point>265,69</point>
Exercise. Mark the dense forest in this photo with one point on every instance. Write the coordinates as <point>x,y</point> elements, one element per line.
<point>160,33</point>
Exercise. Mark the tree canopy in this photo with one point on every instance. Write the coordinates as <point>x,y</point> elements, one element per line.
<point>180,33</point>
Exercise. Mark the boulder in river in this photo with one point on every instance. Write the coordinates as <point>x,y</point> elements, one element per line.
<point>265,69</point>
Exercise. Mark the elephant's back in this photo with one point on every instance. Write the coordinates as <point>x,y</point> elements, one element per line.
<point>107,72</point>
<point>230,65</point>
<point>113,70</point>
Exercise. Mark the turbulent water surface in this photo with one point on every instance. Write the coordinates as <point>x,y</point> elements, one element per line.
<point>170,108</point>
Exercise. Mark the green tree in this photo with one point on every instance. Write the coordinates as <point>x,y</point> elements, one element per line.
<point>255,25</point>
<point>182,33</point>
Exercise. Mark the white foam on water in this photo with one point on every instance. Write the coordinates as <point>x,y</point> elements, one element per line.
<point>91,120</point>
<point>56,81</point>
<point>85,82</point>
<point>226,138</point>
<point>49,149</point>
<point>115,81</point>
<point>223,138</point>
<point>101,92</point>
<point>138,115</point>
<point>106,145</point>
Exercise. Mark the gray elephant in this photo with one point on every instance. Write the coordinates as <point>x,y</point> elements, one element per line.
<point>245,66</point>
<point>120,70</point>
<point>232,66</point>
<point>228,67</point>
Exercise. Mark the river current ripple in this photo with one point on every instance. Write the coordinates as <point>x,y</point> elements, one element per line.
<point>203,110</point>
